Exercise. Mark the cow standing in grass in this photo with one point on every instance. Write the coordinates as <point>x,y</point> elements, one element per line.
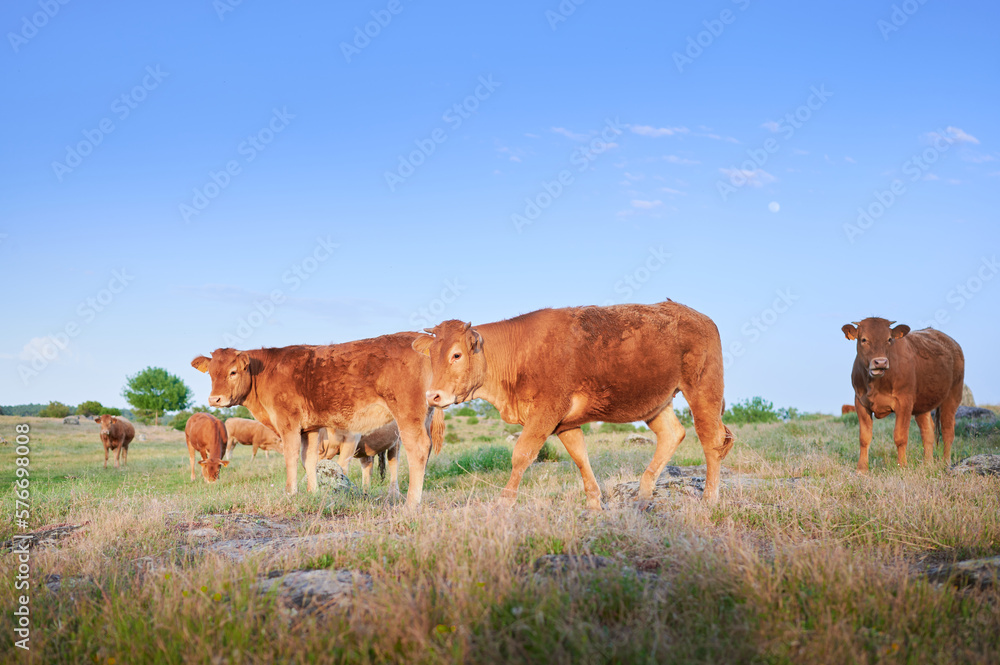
<point>206,435</point>
<point>906,373</point>
<point>250,433</point>
<point>356,386</point>
<point>116,434</point>
<point>554,370</point>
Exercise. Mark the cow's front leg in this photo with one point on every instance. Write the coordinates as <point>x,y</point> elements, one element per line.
<point>865,429</point>
<point>106,451</point>
<point>901,433</point>
<point>926,424</point>
<point>530,441</point>
<point>417,445</point>
<point>366,473</point>
<point>118,456</point>
<point>291,442</point>
<point>573,441</point>
<point>310,457</point>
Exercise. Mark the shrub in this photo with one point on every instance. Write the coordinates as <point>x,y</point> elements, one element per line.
<point>180,420</point>
<point>447,416</point>
<point>451,437</point>
<point>849,419</point>
<point>473,420</point>
<point>586,428</point>
<point>55,410</point>
<point>90,408</point>
<point>684,415</point>
<point>548,453</point>
<point>788,413</point>
<point>756,410</point>
<point>110,411</point>
<point>465,411</point>
<point>512,429</point>
<point>482,438</point>
<point>607,428</point>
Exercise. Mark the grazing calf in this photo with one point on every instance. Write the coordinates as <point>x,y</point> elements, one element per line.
<point>116,434</point>
<point>250,433</point>
<point>205,434</point>
<point>382,443</point>
<point>556,369</point>
<point>906,373</point>
<point>356,387</point>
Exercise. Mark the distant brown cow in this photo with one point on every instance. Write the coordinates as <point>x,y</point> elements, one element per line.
<point>905,373</point>
<point>357,386</point>
<point>555,369</point>
<point>847,408</point>
<point>250,433</point>
<point>116,434</point>
<point>205,434</point>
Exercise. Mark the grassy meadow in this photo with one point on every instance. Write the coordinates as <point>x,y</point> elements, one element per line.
<point>826,569</point>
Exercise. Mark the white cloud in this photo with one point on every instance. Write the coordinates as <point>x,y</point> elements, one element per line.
<point>645,205</point>
<point>532,136</point>
<point>568,134</point>
<point>752,177</point>
<point>952,135</point>
<point>772,126</point>
<point>656,132</point>
<point>674,159</point>
<point>670,190</point>
<point>849,160</point>
<point>718,137</point>
<point>634,176</point>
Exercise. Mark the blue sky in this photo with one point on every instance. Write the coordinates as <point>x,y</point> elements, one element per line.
<point>182,177</point>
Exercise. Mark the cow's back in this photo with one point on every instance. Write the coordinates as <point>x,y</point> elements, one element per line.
<point>377,441</point>
<point>121,433</point>
<point>938,364</point>
<point>206,433</point>
<point>241,429</point>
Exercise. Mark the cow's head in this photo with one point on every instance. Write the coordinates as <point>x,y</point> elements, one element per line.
<point>231,373</point>
<point>457,362</point>
<point>875,339</point>
<point>106,421</point>
<point>210,468</point>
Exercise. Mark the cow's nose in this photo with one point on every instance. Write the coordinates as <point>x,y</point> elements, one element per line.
<point>214,400</point>
<point>434,397</point>
<point>880,362</point>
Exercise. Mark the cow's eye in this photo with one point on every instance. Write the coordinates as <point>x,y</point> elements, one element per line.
<point>232,373</point>
<point>864,340</point>
<point>889,341</point>
<point>456,356</point>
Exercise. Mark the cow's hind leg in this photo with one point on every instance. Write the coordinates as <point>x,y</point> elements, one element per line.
<point>191,455</point>
<point>947,412</point>
<point>310,457</point>
<point>106,451</point>
<point>669,434</point>
<point>118,456</point>
<point>291,441</point>
<point>575,446</point>
<point>392,461</point>
<point>925,421</point>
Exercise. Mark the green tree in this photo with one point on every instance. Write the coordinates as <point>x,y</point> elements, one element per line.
<point>90,408</point>
<point>55,410</point>
<point>756,410</point>
<point>154,391</point>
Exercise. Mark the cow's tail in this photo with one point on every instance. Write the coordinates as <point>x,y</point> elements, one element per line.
<point>437,430</point>
<point>936,416</point>
<point>729,440</point>
<point>381,465</point>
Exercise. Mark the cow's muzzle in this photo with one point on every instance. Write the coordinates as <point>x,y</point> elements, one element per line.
<point>217,401</point>
<point>439,398</point>
<point>878,366</point>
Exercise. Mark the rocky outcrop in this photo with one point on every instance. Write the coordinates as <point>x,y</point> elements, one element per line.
<point>314,591</point>
<point>975,413</point>
<point>329,474</point>
<point>967,398</point>
<point>71,420</point>
<point>639,440</point>
<point>982,465</point>
<point>979,573</point>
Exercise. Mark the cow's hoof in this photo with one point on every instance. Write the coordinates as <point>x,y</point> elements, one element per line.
<point>644,505</point>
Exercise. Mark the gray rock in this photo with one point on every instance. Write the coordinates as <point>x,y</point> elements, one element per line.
<point>983,465</point>
<point>57,583</point>
<point>975,413</point>
<point>565,563</point>
<point>639,440</point>
<point>329,473</point>
<point>272,549</point>
<point>71,420</point>
<point>980,573</point>
<point>46,537</point>
<point>313,591</point>
<point>511,438</point>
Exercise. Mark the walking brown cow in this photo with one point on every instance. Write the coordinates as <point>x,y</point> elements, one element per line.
<point>906,373</point>
<point>116,434</point>
<point>356,386</point>
<point>249,433</point>
<point>555,369</point>
<point>205,434</point>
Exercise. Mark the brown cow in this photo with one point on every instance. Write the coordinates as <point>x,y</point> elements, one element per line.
<point>250,433</point>
<point>383,443</point>
<point>356,386</point>
<point>555,369</point>
<point>205,434</point>
<point>116,434</point>
<point>905,373</point>
<point>847,408</point>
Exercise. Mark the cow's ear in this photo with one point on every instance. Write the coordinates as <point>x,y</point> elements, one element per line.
<point>225,462</point>
<point>201,363</point>
<point>422,344</point>
<point>475,341</point>
<point>850,331</point>
<point>243,361</point>
<point>900,330</point>
<point>202,461</point>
